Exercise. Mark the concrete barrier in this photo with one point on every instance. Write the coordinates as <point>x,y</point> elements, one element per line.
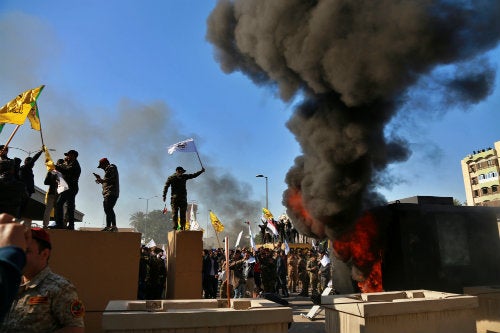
<point>197,316</point>
<point>412,311</point>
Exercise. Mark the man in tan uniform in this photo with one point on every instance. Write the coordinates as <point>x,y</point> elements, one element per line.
<point>293,272</point>
<point>46,302</point>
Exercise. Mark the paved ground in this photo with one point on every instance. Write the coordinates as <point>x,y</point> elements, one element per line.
<point>302,305</point>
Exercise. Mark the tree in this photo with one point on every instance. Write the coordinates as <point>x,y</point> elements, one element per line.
<point>155,225</point>
<point>456,202</point>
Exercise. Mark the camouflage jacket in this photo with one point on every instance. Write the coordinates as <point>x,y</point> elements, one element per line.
<point>45,304</point>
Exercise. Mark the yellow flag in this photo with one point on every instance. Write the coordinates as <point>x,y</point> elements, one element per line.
<point>218,227</point>
<point>16,111</point>
<point>34,117</point>
<point>49,163</point>
<point>267,214</point>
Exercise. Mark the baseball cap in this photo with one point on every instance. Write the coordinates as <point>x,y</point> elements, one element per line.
<point>102,161</point>
<point>179,168</point>
<point>71,152</point>
<point>42,235</point>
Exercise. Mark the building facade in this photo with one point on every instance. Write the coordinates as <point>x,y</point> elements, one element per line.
<point>481,177</point>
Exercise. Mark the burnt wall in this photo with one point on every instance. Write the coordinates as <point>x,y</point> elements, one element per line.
<point>434,246</point>
<point>441,247</point>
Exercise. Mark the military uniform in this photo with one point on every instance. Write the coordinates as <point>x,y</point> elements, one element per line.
<point>303,276</point>
<point>45,304</point>
<point>313,269</point>
<point>178,197</point>
<point>293,273</point>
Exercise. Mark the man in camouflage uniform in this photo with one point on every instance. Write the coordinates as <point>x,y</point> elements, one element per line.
<point>46,302</point>
<point>303,275</point>
<point>293,272</point>
<point>313,270</point>
<point>178,195</point>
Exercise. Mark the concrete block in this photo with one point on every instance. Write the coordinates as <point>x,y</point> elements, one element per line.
<point>241,304</point>
<point>182,316</point>
<point>488,313</point>
<point>102,266</point>
<point>184,261</point>
<point>437,312</point>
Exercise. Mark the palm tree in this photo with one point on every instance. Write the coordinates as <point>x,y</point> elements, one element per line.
<point>155,225</point>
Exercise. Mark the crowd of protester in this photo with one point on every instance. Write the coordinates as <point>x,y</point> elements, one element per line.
<point>152,273</point>
<point>252,272</point>
<point>305,271</point>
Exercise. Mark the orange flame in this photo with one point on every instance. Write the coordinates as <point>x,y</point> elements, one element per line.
<point>295,202</point>
<point>361,247</point>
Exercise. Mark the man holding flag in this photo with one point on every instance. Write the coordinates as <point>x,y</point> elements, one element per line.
<point>178,194</point>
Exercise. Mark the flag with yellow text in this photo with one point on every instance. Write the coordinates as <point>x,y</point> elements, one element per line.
<point>16,111</point>
<point>267,214</point>
<point>34,117</point>
<point>218,227</point>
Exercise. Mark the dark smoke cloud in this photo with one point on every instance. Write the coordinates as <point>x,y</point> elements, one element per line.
<point>354,62</point>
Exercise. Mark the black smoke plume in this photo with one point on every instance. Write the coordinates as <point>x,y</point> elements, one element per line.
<point>353,62</point>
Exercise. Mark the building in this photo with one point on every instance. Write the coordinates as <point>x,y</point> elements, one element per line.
<point>480,172</point>
<point>36,207</point>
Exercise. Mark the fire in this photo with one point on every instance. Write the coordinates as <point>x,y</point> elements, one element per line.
<point>295,203</point>
<point>361,247</point>
<point>313,226</point>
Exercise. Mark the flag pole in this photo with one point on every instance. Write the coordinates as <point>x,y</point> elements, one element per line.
<point>10,138</point>
<point>199,159</point>
<point>216,235</point>
<point>228,290</point>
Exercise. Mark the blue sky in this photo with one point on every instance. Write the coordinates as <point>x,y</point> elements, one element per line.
<point>125,79</point>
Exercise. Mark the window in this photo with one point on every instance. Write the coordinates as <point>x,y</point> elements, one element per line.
<point>484,190</point>
<point>494,188</point>
<point>481,177</point>
<point>474,181</point>
<point>476,193</point>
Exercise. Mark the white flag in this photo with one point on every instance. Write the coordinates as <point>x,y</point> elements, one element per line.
<point>193,224</point>
<point>252,241</point>
<point>287,248</point>
<point>61,183</point>
<point>151,243</point>
<point>185,146</point>
<point>325,260</point>
<point>238,239</point>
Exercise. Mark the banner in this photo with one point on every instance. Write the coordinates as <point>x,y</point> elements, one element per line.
<point>185,146</point>
<point>218,226</point>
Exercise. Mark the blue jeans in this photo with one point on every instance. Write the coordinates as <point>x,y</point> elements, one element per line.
<point>239,291</point>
